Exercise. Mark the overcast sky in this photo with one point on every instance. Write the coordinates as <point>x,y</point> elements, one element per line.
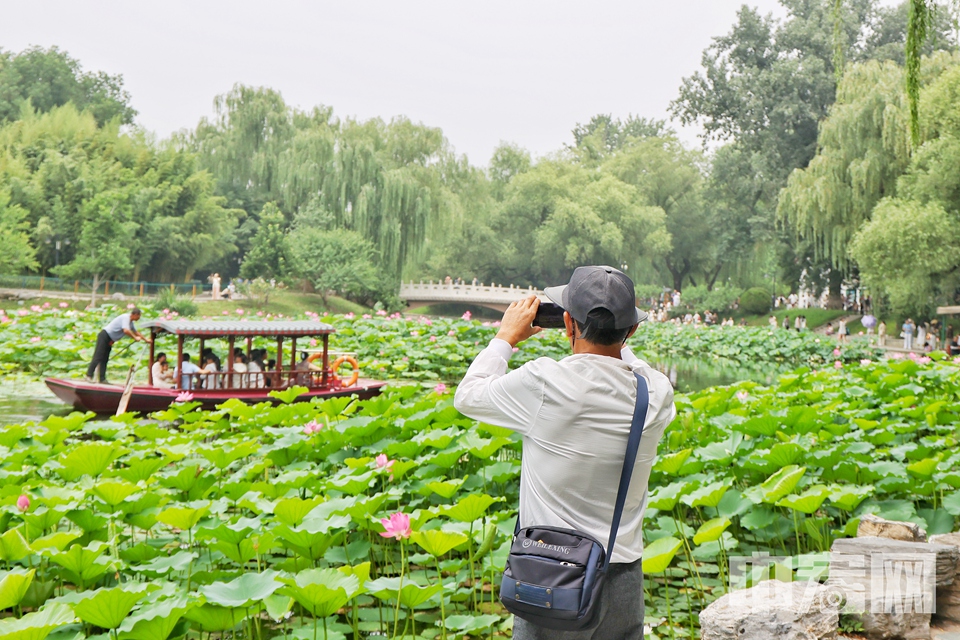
<point>483,71</point>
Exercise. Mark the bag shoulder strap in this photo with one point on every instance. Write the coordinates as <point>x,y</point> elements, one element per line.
<point>629,459</point>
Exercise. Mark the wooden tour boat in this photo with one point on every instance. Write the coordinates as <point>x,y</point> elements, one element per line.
<point>212,389</point>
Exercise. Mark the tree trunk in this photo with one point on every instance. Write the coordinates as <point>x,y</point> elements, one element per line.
<point>835,301</point>
<point>712,279</point>
<point>93,293</point>
<point>677,273</point>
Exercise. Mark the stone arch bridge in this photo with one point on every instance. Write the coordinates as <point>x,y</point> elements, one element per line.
<point>421,294</point>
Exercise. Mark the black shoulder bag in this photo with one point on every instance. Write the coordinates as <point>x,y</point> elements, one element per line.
<point>554,576</point>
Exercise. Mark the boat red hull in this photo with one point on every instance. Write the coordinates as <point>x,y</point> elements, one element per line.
<point>105,398</point>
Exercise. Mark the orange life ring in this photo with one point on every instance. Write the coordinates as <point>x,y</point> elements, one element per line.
<point>356,369</point>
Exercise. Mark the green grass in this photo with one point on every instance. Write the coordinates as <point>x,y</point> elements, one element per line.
<point>288,303</point>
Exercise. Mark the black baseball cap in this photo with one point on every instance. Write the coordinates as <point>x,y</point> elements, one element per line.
<point>597,287</point>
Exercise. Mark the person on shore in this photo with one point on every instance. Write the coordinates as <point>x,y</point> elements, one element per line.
<point>160,372</point>
<point>882,334</point>
<point>907,334</point>
<point>115,330</point>
<point>842,331</point>
<point>574,416</point>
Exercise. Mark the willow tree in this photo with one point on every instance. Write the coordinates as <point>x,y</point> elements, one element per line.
<point>919,20</point>
<point>863,148</point>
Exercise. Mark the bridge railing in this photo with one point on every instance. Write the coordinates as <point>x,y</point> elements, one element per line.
<point>463,290</point>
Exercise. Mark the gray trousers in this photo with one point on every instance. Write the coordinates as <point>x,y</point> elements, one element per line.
<point>621,611</point>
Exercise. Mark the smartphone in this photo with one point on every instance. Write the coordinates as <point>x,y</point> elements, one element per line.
<point>549,316</point>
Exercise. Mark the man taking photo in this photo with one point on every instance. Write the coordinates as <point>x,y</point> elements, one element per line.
<point>574,416</point>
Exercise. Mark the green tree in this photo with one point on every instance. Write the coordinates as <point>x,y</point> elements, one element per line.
<point>336,261</point>
<point>907,252</point>
<point>48,78</point>
<point>16,253</point>
<point>267,257</point>
<point>104,245</point>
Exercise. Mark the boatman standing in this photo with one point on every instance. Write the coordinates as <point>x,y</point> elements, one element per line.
<point>114,331</point>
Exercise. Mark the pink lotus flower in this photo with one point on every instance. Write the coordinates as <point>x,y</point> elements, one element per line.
<point>836,352</point>
<point>896,356</point>
<point>226,313</point>
<point>64,305</point>
<point>515,349</point>
<point>22,312</point>
<point>397,526</point>
<point>425,320</point>
<point>866,361</point>
<point>35,307</point>
<point>68,336</point>
<point>312,427</point>
<point>259,314</point>
<point>838,365</point>
<point>23,503</point>
<point>924,360</point>
<point>381,312</point>
<point>415,334</point>
<point>485,324</point>
<point>131,306</point>
<point>46,305</point>
<point>383,462</point>
<point>466,315</point>
<point>350,316</point>
<point>366,316</point>
<point>451,332</point>
<point>35,339</point>
<point>184,396</point>
<point>742,396</point>
<point>313,342</point>
<point>239,312</point>
<point>433,338</point>
<point>440,389</point>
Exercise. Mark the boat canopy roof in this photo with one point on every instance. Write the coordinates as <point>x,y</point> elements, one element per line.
<point>221,328</point>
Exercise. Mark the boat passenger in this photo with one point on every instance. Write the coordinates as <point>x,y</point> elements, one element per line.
<point>210,370</point>
<point>255,367</point>
<point>207,351</point>
<point>188,373</point>
<point>160,372</point>
<point>239,371</point>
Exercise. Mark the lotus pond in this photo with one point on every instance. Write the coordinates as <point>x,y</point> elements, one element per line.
<point>392,517</point>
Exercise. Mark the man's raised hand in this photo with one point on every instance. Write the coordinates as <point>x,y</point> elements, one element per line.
<point>517,323</point>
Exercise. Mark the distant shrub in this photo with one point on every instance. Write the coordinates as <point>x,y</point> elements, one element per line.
<point>167,299</point>
<point>756,300</point>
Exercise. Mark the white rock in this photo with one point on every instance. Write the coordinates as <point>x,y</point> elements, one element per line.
<point>773,609</point>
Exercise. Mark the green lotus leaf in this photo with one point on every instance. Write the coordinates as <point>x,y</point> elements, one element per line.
<point>278,606</point>
<point>410,594</point>
<point>113,492</point>
<point>708,495</point>
<point>88,459</point>
<point>781,483</point>
<point>292,511</point>
<point>106,608</point>
<point>244,591</point>
<point>467,624</point>
<point>711,530</point>
<point>182,518</point>
<point>672,462</point>
<point>443,488</point>
<point>213,618</point>
<point>57,541</point>
<point>924,468</point>
<point>141,469</point>
<point>222,457</point>
<point>156,620</point>
<point>848,497</point>
<point>807,502</point>
<point>665,498</point>
<point>470,508</point>
<point>322,592</point>
<point>437,542</point>
<point>14,585</point>
<point>84,563</point>
<point>37,625</point>
<point>289,394</point>
<point>13,546</point>
<point>658,555</point>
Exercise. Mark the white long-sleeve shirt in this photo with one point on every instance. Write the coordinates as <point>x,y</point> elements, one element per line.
<point>574,416</point>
